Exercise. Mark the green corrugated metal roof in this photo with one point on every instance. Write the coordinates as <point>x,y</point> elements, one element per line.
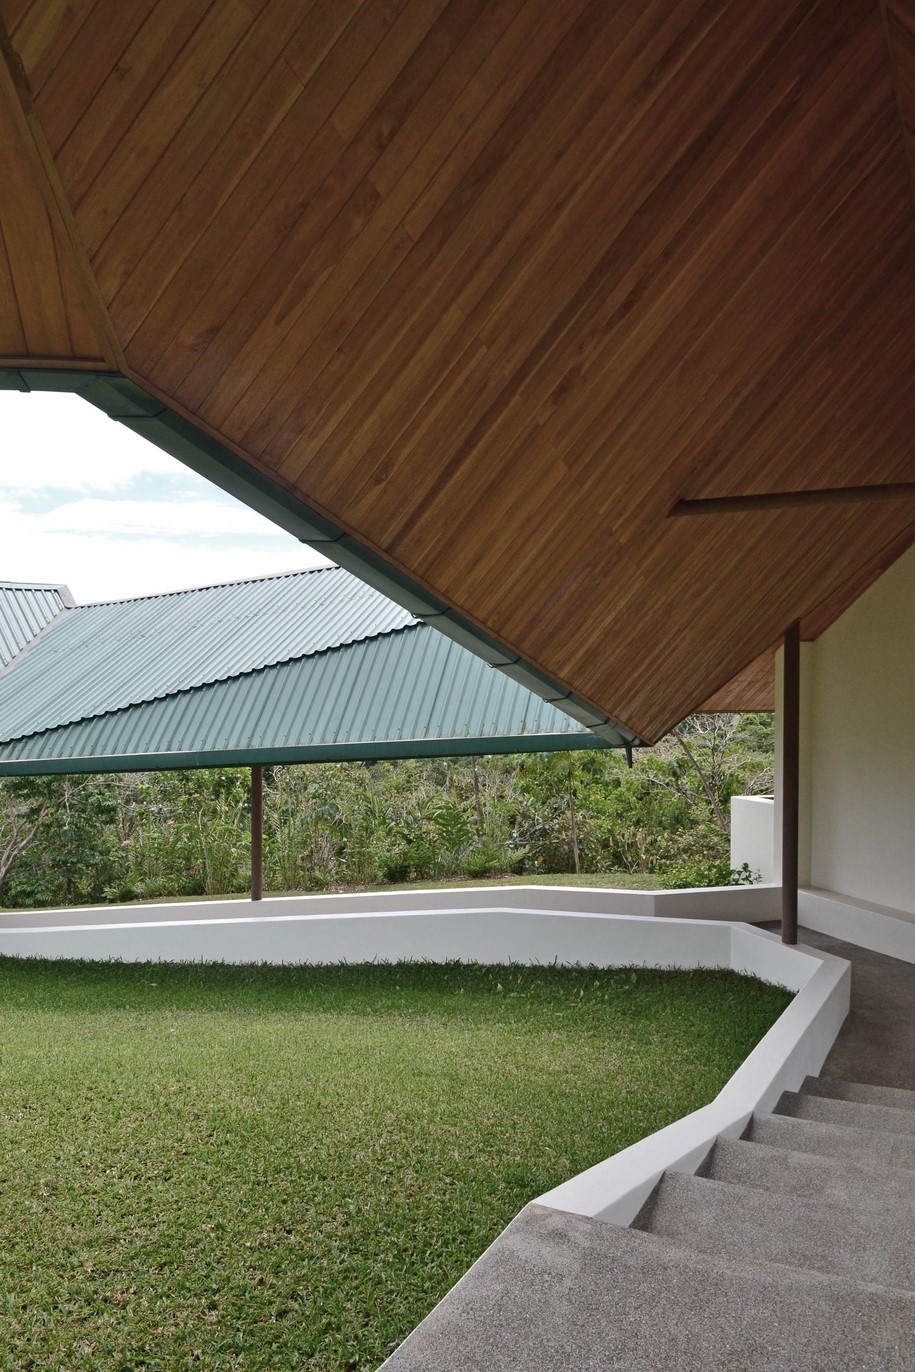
<point>410,694</point>
<point>105,657</point>
<point>25,609</point>
<point>347,675</point>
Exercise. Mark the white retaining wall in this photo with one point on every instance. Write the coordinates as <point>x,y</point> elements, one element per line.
<point>796,1046</point>
<point>865,923</point>
<point>753,835</point>
<point>243,930</point>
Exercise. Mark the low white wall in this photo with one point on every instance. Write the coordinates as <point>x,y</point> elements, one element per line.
<point>490,935</point>
<point>748,904</point>
<point>857,764</point>
<point>753,835</point>
<point>796,1046</point>
<point>878,927</point>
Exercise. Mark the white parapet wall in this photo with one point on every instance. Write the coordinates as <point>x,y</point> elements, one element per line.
<point>220,929</point>
<point>753,835</point>
<point>796,1046</point>
<point>878,927</point>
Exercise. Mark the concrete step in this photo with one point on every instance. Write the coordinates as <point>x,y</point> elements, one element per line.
<point>832,1140</point>
<point>812,1176</point>
<point>863,1239</point>
<point>836,1089</point>
<point>853,1114</point>
<point>558,1291</point>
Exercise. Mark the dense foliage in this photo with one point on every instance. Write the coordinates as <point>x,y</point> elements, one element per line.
<point>65,840</point>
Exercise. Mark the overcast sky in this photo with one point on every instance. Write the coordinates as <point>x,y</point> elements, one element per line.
<point>87,503</point>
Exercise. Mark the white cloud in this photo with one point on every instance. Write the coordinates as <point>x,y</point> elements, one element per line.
<point>181,517</point>
<point>71,512</point>
<point>50,441</point>
<point>108,566</point>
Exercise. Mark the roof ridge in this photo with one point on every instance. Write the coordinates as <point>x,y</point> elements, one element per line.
<point>60,587</point>
<point>27,647</point>
<point>208,586</point>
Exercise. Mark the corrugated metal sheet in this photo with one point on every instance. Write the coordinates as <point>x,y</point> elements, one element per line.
<point>406,694</point>
<point>101,658</point>
<point>24,612</point>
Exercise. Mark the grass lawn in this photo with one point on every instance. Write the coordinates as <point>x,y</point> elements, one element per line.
<point>280,1168</point>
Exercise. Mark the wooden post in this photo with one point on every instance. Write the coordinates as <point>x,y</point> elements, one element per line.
<point>257,833</point>
<point>791,714</point>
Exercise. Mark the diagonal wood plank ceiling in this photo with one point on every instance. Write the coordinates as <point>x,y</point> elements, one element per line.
<point>493,283</point>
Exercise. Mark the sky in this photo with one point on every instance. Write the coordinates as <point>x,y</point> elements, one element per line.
<point>88,504</point>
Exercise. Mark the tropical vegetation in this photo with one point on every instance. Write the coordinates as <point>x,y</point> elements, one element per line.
<point>141,836</point>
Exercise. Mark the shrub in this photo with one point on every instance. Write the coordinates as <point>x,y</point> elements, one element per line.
<point>714,873</point>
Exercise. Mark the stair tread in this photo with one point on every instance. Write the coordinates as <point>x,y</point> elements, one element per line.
<point>836,1088</point>
<point>815,1176</point>
<point>557,1290</point>
<point>885,1118</point>
<point>866,1237</point>
<point>833,1140</point>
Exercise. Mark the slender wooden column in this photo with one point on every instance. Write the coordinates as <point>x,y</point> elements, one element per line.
<point>257,833</point>
<point>791,716</point>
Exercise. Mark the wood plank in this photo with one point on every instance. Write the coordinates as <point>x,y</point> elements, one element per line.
<point>479,102</point>
<point>305,146</point>
<point>45,31</point>
<point>346,203</point>
<point>88,142</point>
<point>751,689</point>
<point>99,51</point>
<point>29,241</point>
<point>162,116</point>
<point>12,333</point>
<point>310,298</point>
<point>222,136</point>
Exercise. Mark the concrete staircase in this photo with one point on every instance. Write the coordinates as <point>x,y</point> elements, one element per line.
<point>825,1184</point>
<point>792,1251</point>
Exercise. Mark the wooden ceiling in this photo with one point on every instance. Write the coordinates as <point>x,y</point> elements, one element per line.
<point>493,283</point>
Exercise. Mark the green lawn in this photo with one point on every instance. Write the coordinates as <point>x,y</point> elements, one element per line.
<point>282,1168</point>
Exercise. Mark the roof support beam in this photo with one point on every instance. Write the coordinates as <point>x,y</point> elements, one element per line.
<point>791,714</point>
<point>257,833</point>
<point>786,500</point>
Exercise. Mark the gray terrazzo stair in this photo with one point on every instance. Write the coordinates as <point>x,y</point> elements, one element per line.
<point>832,1140</point>
<point>867,1237</point>
<point>790,1252</point>
<point>862,1092</point>
<point>853,1114</point>
<point>558,1292</point>
<point>811,1176</point>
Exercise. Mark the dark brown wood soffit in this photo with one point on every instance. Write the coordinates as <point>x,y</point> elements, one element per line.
<point>494,283</point>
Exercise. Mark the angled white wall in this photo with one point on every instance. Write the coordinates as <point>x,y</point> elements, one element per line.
<point>858,749</point>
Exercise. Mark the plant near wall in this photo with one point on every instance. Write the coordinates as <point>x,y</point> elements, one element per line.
<point>24,802</point>
<point>74,853</point>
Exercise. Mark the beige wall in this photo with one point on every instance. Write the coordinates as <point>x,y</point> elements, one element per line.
<point>858,747</point>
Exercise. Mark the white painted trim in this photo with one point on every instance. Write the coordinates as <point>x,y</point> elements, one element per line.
<point>796,1046</point>
<point>865,923</point>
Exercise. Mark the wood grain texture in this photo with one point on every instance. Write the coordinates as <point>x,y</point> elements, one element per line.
<point>43,311</point>
<point>492,285</point>
<point>751,689</point>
